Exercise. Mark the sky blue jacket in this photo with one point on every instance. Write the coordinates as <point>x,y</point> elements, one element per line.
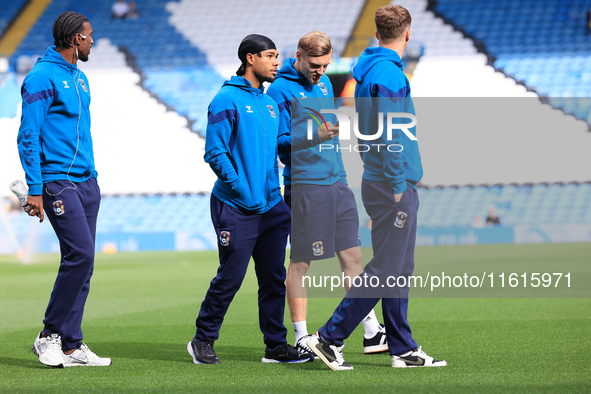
<point>383,87</point>
<point>54,140</point>
<point>310,165</point>
<point>241,146</point>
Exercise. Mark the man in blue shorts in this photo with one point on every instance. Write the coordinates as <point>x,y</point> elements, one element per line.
<point>248,214</point>
<point>324,212</point>
<point>390,197</point>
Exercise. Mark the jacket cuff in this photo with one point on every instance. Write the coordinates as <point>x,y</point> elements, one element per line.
<point>399,187</point>
<point>35,189</point>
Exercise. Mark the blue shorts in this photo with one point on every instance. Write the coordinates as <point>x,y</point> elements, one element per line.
<point>324,220</point>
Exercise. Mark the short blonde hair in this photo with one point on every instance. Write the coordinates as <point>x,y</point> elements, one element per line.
<point>392,21</point>
<point>315,44</point>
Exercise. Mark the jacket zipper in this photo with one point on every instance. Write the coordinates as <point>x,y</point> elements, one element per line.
<point>266,149</point>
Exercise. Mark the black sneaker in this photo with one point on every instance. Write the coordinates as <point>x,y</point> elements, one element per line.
<point>331,355</point>
<point>377,344</point>
<point>286,354</point>
<point>202,352</point>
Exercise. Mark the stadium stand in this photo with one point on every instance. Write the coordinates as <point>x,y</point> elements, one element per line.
<point>447,52</point>
<point>164,59</point>
<point>149,76</point>
<point>544,44</point>
<point>285,22</point>
<point>10,9</point>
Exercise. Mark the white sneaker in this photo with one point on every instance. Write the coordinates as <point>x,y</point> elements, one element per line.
<point>418,358</point>
<point>331,355</point>
<point>301,346</point>
<point>377,344</point>
<point>83,356</point>
<point>49,350</point>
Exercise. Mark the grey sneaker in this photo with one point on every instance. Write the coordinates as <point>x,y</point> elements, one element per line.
<point>83,356</point>
<point>418,358</point>
<point>49,350</point>
<point>331,355</point>
<point>202,352</point>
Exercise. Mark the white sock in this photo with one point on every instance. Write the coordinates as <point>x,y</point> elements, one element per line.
<point>301,329</point>
<point>371,325</point>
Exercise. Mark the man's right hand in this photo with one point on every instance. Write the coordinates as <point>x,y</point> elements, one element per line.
<point>327,134</point>
<point>397,197</point>
<point>35,204</point>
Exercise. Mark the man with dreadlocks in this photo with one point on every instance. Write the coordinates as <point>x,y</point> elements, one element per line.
<point>248,214</point>
<point>55,148</point>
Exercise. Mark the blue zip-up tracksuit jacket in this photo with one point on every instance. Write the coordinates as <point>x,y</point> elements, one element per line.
<point>241,146</point>
<point>379,75</point>
<point>309,166</point>
<point>54,140</point>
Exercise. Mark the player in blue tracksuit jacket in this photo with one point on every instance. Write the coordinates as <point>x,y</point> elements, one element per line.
<point>389,196</point>
<point>248,214</point>
<point>324,211</point>
<point>55,148</point>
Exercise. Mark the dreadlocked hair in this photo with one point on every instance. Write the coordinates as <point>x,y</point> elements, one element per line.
<point>65,28</point>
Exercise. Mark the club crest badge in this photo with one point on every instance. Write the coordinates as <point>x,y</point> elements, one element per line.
<point>271,110</point>
<point>58,207</point>
<point>81,82</point>
<point>318,248</point>
<point>400,219</point>
<point>323,88</point>
<point>225,238</point>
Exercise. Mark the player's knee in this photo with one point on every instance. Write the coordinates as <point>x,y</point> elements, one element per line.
<point>299,268</point>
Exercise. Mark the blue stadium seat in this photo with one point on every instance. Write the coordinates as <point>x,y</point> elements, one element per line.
<point>550,33</point>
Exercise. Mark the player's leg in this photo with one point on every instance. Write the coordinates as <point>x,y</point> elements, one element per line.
<point>79,354</point>
<point>349,254</point>
<point>66,213</point>
<point>269,258</point>
<point>312,238</point>
<point>297,297</point>
<point>360,300</point>
<point>403,348</point>
<point>237,234</point>
<point>90,196</point>
<point>402,237</point>
<point>374,338</point>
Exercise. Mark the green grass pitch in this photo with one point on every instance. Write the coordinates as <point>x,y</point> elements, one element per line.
<point>142,308</point>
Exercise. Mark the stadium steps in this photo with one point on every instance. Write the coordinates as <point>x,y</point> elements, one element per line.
<point>285,23</point>
<point>17,32</point>
<point>364,31</point>
<point>527,45</point>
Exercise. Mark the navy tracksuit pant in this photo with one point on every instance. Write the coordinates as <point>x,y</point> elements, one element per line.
<point>240,236</point>
<point>393,233</point>
<point>73,214</point>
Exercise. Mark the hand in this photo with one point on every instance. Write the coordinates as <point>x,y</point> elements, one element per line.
<point>33,206</point>
<point>397,197</point>
<point>327,134</point>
